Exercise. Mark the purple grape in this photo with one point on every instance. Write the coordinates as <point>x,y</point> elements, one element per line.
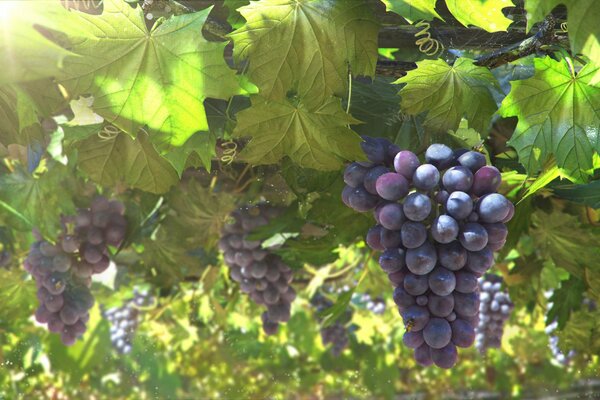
<point>493,208</point>
<point>391,216</point>
<point>441,197</point>
<point>426,177</point>
<point>440,155</point>
<point>397,277</point>
<point>486,180</point>
<point>361,200</point>
<point>423,355</point>
<point>415,284</point>
<point>446,357</point>
<point>478,262</point>
<point>497,232</point>
<point>391,186</point>
<point>444,229</point>
<point>463,334</point>
<point>417,207</point>
<point>345,198</point>
<point>413,234</point>
<point>392,260</point>
<point>403,299</point>
<point>452,255</point>
<point>466,304</point>
<point>375,149</point>
<point>370,182</point>
<point>459,205</point>
<point>457,179</point>
<point>466,282</point>
<point>373,238</point>
<point>472,160</point>
<point>390,239</point>
<point>42,314</point>
<point>437,333</point>
<point>442,281</point>
<point>440,306</point>
<point>413,339</point>
<point>473,236</point>
<point>421,260</point>
<point>416,317</point>
<point>422,300</point>
<point>354,175</point>
<point>406,163</point>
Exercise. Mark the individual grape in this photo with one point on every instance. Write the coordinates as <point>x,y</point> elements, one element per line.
<point>92,254</point>
<point>444,229</point>
<point>416,317</point>
<point>445,357</point>
<point>466,282</point>
<point>392,260</point>
<point>478,262</point>
<point>451,317</point>
<point>473,217</point>
<point>413,234</point>
<point>440,306</point>
<point>406,163</point>
<point>442,281</point>
<point>415,284</point>
<point>472,160</point>
<point>391,186</point>
<point>370,182</point>
<point>361,200</point>
<point>473,236</point>
<point>452,255</point>
<point>466,304</point>
<point>422,300</point>
<point>354,175</point>
<point>42,314</point>
<point>441,197</point>
<point>375,149</point>
<point>421,260</point>
<point>390,239</point>
<point>423,355</point>
<point>486,180</point>
<point>413,339</point>
<point>373,238</point>
<point>426,177</point>
<point>496,246</point>
<point>269,328</point>
<point>437,333</point>
<point>402,298</point>
<point>457,179</point>
<point>70,244</point>
<point>440,155</point>
<point>54,303</point>
<point>391,216</point>
<point>493,208</point>
<point>417,207</point>
<point>463,334</point>
<point>511,213</point>
<point>459,205</point>
<point>397,277</point>
<point>345,196</point>
<point>497,232</point>
<point>55,283</point>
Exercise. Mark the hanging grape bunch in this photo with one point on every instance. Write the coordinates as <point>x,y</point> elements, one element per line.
<point>261,274</point>
<point>63,271</point>
<point>335,334</point>
<point>125,320</point>
<point>494,310</point>
<point>438,223</point>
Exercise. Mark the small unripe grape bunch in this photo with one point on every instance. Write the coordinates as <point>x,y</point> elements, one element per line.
<point>494,310</point>
<point>260,273</point>
<point>124,320</point>
<point>335,334</point>
<point>438,222</point>
<point>63,271</point>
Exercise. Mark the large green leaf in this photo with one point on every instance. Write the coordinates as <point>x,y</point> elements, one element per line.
<point>36,200</point>
<point>582,17</point>
<point>316,137</point>
<point>565,300</point>
<point>559,114</point>
<point>234,18</point>
<point>157,78</point>
<point>306,46</point>
<point>121,159</point>
<point>485,14</point>
<point>448,93</point>
<point>588,194</point>
<point>413,10</point>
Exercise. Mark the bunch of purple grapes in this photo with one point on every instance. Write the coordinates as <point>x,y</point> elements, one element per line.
<point>335,334</point>
<point>63,271</point>
<point>494,310</point>
<point>261,274</point>
<point>124,320</point>
<point>438,223</point>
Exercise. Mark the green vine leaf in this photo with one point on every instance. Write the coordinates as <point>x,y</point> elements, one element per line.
<point>485,14</point>
<point>413,10</point>
<point>121,159</point>
<point>313,137</point>
<point>306,46</point>
<point>234,18</point>
<point>559,114</point>
<point>565,300</point>
<point>582,19</point>
<point>588,194</point>
<point>448,93</point>
<point>157,78</point>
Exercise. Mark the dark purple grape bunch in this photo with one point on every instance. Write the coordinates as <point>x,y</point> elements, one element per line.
<point>261,274</point>
<point>438,224</point>
<point>335,334</point>
<point>124,320</point>
<point>63,272</point>
<point>495,308</point>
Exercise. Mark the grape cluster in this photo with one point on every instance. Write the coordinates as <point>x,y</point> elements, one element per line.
<point>335,334</point>
<point>494,310</point>
<point>438,223</point>
<point>261,274</point>
<point>124,320</point>
<point>63,271</point>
